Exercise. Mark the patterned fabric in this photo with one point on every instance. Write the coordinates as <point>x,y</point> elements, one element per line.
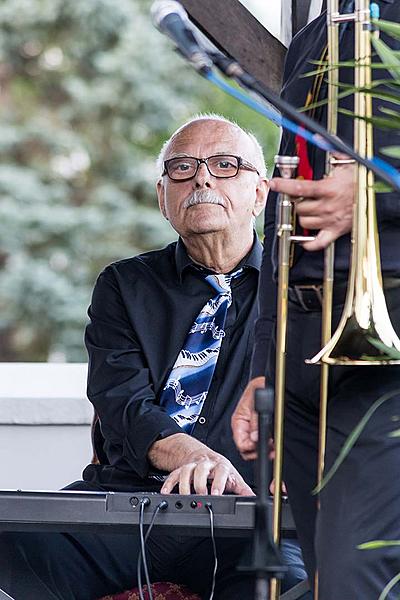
<point>190,378</point>
<point>161,591</point>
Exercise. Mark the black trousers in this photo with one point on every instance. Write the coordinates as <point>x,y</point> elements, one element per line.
<point>361,502</point>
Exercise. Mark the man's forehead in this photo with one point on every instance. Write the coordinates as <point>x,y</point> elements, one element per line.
<point>216,136</point>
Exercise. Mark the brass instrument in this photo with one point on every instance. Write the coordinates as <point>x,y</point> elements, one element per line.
<point>365,335</point>
<point>287,166</point>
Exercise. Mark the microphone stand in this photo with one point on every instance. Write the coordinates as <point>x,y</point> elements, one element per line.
<point>266,560</point>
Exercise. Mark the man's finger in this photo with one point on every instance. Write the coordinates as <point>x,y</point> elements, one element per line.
<point>170,482</point>
<point>250,455</point>
<point>185,478</point>
<point>313,222</point>
<point>241,432</point>
<point>220,476</point>
<point>237,485</point>
<point>297,187</point>
<point>247,447</point>
<point>309,208</point>
<point>322,241</point>
<point>200,477</point>
<point>246,444</point>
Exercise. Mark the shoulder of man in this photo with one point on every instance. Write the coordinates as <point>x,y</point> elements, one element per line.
<point>307,31</point>
<point>152,260</point>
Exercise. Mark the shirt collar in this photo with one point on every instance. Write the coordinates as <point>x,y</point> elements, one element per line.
<point>251,260</point>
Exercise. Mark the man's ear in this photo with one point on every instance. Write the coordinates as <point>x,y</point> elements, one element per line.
<point>161,197</point>
<point>261,196</point>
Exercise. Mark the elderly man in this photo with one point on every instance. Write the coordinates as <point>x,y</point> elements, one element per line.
<point>169,342</point>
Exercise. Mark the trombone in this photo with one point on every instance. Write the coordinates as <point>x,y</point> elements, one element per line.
<point>365,335</point>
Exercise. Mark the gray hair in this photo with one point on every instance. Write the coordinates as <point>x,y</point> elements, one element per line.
<point>259,154</point>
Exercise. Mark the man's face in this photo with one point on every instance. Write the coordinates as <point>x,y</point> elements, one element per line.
<point>207,204</point>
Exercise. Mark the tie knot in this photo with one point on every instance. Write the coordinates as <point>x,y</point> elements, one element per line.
<point>221,282</point>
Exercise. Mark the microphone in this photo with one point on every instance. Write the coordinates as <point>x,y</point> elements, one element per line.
<point>171,18</point>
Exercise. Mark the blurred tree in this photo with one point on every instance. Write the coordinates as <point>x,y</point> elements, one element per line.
<point>89,90</point>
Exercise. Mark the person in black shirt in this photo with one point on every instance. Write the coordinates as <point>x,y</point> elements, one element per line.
<point>141,312</point>
<point>360,503</point>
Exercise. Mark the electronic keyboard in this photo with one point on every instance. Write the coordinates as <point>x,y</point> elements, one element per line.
<point>119,512</point>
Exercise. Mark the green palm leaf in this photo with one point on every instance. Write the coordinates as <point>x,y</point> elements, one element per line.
<point>387,57</point>
<point>392,29</point>
<point>376,544</point>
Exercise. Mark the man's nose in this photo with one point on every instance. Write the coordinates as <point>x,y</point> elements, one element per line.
<point>203,178</point>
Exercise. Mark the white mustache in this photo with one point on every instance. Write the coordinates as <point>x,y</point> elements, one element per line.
<point>203,197</point>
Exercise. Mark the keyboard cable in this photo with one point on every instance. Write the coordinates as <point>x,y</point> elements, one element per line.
<point>143,539</point>
<point>209,507</point>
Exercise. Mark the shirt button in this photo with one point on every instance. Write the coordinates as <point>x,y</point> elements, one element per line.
<point>202,420</point>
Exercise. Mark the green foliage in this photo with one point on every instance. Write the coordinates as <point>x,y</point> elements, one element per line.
<point>89,91</point>
<point>376,544</point>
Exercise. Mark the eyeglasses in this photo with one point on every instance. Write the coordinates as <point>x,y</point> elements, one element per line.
<point>222,166</point>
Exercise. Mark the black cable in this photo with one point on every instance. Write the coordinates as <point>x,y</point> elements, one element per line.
<point>161,506</point>
<point>142,554</point>
<point>214,546</point>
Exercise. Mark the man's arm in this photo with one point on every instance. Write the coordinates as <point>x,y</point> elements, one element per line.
<point>192,464</point>
<point>119,381</point>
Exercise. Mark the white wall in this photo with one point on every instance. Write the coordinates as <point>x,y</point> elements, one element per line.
<point>275,15</point>
<point>44,425</point>
<point>268,12</point>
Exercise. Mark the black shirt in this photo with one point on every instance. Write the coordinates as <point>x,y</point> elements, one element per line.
<point>307,46</point>
<point>141,312</point>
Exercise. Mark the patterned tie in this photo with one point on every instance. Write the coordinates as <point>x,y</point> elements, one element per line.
<point>190,378</point>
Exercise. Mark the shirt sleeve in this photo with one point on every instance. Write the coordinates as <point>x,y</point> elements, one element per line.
<point>119,380</point>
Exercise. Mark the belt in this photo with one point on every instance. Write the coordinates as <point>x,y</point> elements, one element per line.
<point>309,296</point>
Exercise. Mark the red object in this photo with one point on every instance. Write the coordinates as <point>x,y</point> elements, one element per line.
<point>304,169</point>
<point>161,591</point>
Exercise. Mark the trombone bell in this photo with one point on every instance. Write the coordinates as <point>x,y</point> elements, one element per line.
<point>365,335</point>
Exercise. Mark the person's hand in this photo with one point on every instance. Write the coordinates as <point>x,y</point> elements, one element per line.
<point>201,467</point>
<point>245,421</point>
<point>272,488</point>
<point>325,205</point>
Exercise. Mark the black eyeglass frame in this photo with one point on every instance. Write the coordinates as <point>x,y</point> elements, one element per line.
<point>241,164</point>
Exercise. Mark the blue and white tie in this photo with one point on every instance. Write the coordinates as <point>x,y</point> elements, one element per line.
<point>190,378</point>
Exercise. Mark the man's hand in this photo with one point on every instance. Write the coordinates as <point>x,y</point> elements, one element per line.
<point>245,421</point>
<point>192,464</point>
<point>325,205</point>
<point>202,467</point>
